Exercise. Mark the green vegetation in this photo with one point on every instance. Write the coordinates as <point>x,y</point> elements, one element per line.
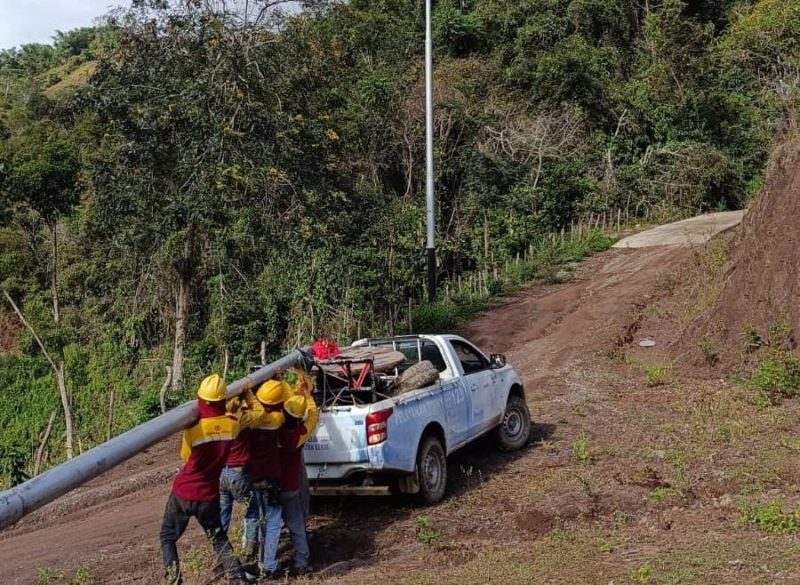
<point>778,373</point>
<point>425,532</point>
<point>547,259</point>
<point>777,368</point>
<point>83,576</point>
<point>656,373</point>
<point>709,350</point>
<point>660,494</point>
<point>580,449</point>
<point>177,186</point>
<point>641,575</point>
<point>769,517</point>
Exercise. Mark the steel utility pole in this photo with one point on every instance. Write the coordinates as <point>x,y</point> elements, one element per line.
<point>430,198</point>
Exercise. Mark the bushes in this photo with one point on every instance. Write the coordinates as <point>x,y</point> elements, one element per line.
<point>777,368</point>
<point>459,33</point>
<point>777,373</point>
<point>769,518</point>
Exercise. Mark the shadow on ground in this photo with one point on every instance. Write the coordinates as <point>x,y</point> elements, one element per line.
<point>345,529</point>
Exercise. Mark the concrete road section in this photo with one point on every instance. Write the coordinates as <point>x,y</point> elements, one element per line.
<point>695,230</point>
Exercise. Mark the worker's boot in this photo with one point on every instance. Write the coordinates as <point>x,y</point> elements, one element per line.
<point>250,560</point>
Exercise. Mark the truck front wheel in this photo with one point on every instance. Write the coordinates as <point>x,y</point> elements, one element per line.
<point>431,470</point>
<point>515,430</point>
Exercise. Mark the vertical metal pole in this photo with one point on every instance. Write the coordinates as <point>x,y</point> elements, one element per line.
<point>431,202</point>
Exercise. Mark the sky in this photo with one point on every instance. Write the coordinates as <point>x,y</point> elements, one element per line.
<point>36,21</point>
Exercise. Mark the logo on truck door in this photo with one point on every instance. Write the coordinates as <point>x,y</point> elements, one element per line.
<point>315,444</point>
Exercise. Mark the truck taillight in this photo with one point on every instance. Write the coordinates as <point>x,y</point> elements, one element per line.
<point>377,426</point>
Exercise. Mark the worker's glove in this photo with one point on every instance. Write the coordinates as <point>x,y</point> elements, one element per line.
<point>274,493</point>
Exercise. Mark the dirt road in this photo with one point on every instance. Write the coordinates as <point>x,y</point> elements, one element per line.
<point>587,471</point>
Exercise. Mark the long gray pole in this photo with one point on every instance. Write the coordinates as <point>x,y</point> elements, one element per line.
<point>429,187</point>
<point>43,489</point>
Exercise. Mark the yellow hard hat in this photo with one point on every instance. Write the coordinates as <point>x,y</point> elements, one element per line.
<point>270,392</point>
<point>296,406</point>
<point>212,389</point>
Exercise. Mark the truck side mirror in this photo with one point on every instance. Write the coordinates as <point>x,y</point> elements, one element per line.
<point>497,360</point>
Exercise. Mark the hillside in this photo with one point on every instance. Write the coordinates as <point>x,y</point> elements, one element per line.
<point>758,309</point>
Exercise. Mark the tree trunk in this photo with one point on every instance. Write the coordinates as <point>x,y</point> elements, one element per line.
<point>62,390</point>
<point>37,462</point>
<point>181,323</point>
<point>163,393</point>
<point>54,274</point>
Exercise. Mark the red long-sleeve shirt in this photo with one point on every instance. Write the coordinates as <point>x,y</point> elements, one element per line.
<point>290,457</point>
<point>239,455</point>
<point>205,447</point>
<point>264,461</point>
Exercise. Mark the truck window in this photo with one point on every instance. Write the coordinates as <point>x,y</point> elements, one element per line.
<point>427,350</point>
<point>430,352</point>
<point>471,360</point>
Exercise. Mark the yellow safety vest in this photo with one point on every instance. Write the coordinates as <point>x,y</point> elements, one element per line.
<point>208,430</point>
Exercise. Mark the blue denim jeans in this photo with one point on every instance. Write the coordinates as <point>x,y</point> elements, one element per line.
<point>269,528</point>
<point>295,519</point>
<point>235,486</point>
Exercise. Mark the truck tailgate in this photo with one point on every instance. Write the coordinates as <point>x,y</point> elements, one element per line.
<point>341,437</point>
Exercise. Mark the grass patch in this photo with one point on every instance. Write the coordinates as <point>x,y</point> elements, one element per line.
<point>580,449</point>
<point>48,576</point>
<point>641,575</point>
<point>656,373</point>
<point>425,532</point>
<point>661,494</point>
<point>700,558</point>
<point>706,280</point>
<point>769,517</point>
<point>778,373</point>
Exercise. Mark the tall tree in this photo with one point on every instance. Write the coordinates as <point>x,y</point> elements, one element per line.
<point>44,178</point>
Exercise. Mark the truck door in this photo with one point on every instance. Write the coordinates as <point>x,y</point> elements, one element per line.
<point>457,411</point>
<point>477,379</point>
<point>454,393</point>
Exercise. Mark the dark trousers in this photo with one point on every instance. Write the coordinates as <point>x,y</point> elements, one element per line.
<point>176,519</point>
<point>305,490</point>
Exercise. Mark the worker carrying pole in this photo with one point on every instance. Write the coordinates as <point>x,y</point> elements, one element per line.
<point>43,489</point>
<point>195,490</point>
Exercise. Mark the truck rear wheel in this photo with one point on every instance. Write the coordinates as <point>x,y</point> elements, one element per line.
<point>431,470</point>
<point>515,430</point>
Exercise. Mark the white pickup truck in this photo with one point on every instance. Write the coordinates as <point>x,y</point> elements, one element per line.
<point>369,439</point>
